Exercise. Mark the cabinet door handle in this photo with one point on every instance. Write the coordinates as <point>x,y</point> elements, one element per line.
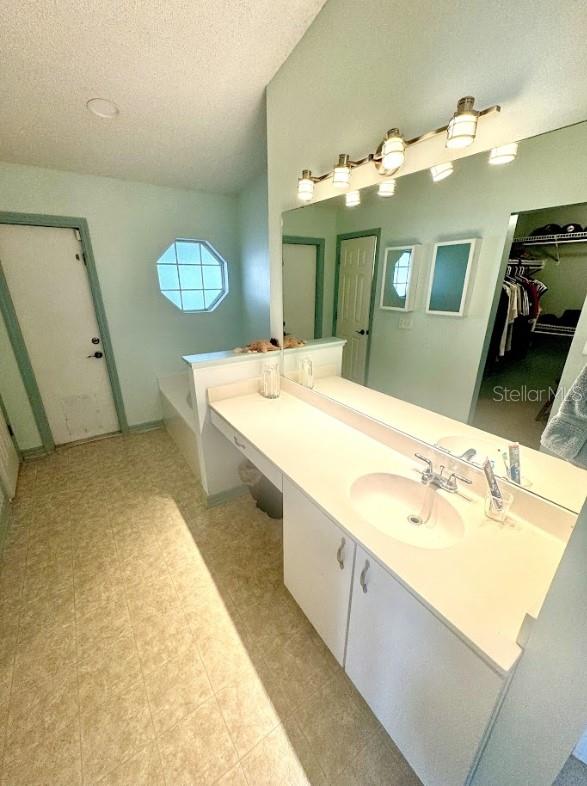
<point>339,554</point>
<point>363,576</point>
<point>240,445</point>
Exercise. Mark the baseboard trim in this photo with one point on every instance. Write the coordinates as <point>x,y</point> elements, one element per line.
<point>33,453</point>
<point>212,500</point>
<point>149,425</point>
<point>3,521</point>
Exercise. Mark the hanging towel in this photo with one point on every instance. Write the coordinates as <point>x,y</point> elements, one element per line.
<point>566,433</point>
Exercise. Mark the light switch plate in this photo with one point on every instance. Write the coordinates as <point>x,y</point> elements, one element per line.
<point>405,323</point>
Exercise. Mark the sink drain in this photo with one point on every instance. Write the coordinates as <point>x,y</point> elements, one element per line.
<point>415,520</point>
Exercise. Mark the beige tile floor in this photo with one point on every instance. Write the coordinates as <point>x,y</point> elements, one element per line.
<point>149,640</point>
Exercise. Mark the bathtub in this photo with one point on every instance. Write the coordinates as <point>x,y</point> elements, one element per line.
<point>179,417</point>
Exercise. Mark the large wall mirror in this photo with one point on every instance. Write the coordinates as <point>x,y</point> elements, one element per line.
<point>465,297</point>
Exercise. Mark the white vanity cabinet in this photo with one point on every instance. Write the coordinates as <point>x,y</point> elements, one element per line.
<point>432,693</point>
<point>318,566</point>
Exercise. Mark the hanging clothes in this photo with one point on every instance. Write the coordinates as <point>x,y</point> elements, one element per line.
<point>518,310</point>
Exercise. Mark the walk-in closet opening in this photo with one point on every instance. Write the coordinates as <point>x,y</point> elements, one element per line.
<point>541,300</point>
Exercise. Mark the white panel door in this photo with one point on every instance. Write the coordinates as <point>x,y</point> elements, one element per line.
<point>318,566</point>
<point>355,279</point>
<point>299,290</point>
<point>50,290</point>
<point>9,462</point>
<point>433,695</point>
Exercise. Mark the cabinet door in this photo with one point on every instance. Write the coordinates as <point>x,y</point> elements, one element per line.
<point>318,564</point>
<point>430,691</point>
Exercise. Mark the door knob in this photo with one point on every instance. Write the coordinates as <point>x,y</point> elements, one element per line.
<point>96,355</point>
<point>362,332</point>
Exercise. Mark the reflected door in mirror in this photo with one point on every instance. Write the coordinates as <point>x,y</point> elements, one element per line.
<point>355,281</point>
<point>299,290</point>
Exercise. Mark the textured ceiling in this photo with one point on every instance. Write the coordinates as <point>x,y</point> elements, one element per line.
<point>189,77</point>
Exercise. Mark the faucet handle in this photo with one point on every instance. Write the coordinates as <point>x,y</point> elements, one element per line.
<point>425,460</point>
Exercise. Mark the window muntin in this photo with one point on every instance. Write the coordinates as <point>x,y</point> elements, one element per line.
<point>192,275</point>
<point>401,273</point>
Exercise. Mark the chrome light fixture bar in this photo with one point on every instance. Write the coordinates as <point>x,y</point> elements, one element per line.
<point>391,152</point>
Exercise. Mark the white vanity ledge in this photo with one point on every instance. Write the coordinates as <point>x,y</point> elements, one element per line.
<point>317,343</point>
<point>482,587</point>
<point>554,479</point>
<point>207,359</point>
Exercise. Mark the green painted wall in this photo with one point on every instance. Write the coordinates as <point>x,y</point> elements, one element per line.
<point>252,226</point>
<point>130,225</point>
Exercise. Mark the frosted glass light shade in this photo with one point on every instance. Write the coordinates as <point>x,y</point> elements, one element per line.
<point>462,129</point>
<point>353,198</point>
<point>386,188</point>
<point>341,176</point>
<point>393,151</point>
<point>305,187</point>
<point>441,171</point>
<point>504,154</point>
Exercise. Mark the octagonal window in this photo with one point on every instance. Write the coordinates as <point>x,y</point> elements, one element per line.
<point>192,275</point>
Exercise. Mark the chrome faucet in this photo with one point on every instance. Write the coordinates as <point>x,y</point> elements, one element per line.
<point>438,479</point>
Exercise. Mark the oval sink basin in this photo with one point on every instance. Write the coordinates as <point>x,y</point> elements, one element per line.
<point>407,510</point>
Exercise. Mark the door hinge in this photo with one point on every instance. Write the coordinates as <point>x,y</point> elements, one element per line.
<point>10,429</point>
<point>77,234</point>
<point>81,257</point>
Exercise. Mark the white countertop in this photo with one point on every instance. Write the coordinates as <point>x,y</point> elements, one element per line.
<point>551,477</point>
<point>482,586</point>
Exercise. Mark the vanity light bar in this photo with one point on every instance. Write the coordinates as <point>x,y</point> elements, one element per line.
<point>391,152</point>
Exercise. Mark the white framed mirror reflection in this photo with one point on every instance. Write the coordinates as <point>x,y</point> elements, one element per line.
<point>449,277</point>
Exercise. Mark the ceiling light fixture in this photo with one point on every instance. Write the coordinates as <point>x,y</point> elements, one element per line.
<point>441,171</point>
<point>462,128</point>
<point>503,154</point>
<point>305,186</point>
<point>386,188</point>
<point>103,107</point>
<point>341,175</point>
<point>353,198</point>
